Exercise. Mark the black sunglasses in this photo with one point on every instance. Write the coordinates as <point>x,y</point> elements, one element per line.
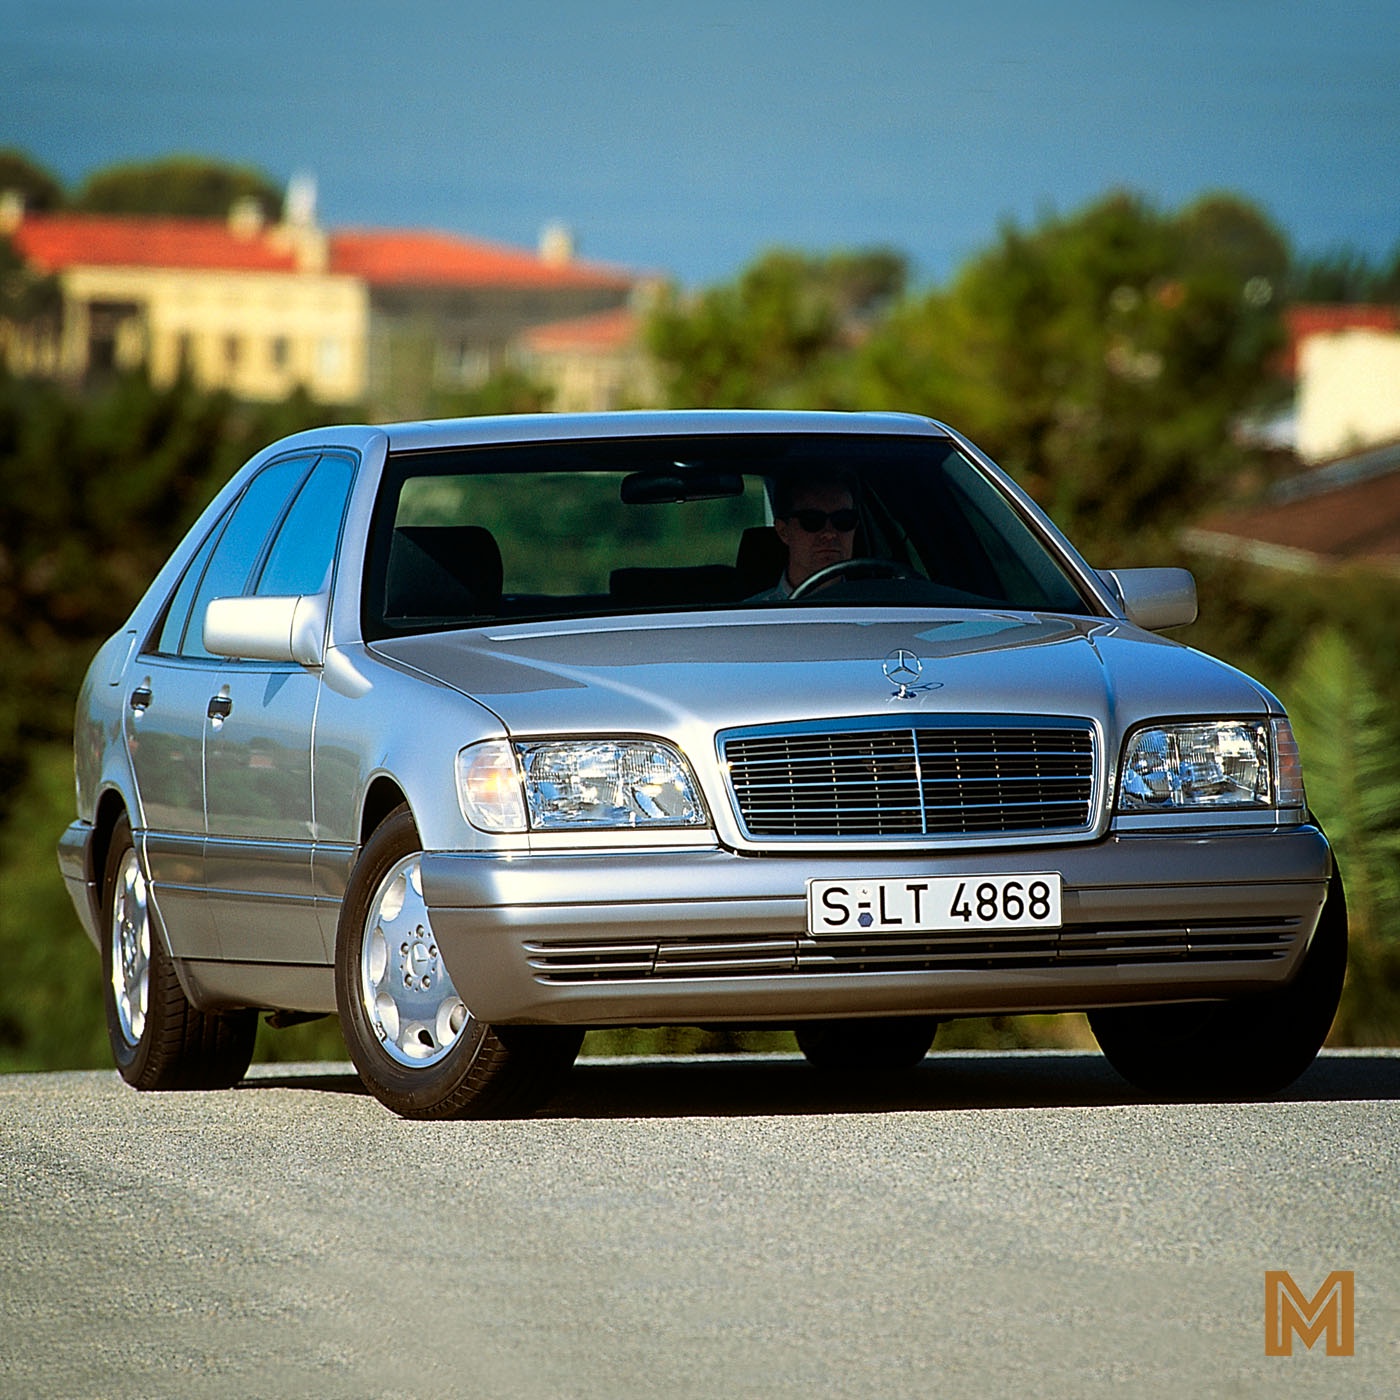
<point>814,520</point>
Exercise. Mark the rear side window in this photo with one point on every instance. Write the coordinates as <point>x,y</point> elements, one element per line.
<point>172,629</point>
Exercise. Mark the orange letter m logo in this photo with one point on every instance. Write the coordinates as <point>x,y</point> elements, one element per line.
<point>1287,1310</point>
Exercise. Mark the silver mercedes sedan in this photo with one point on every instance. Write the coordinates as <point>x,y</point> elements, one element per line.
<point>483,733</point>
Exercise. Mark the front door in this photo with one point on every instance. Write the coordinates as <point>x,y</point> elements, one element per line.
<point>258,747</point>
<point>257,783</point>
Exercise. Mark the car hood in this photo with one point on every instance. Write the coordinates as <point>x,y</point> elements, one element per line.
<point>687,676</point>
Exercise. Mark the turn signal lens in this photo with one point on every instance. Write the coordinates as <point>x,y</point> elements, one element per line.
<point>488,787</point>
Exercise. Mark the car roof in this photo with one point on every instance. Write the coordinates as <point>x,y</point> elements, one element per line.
<point>429,434</point>
<point>546,427</point>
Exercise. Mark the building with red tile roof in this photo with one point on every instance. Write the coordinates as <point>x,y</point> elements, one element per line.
<point>237,304</point>
<point>591,363</point>
<point>447,313</point>
<point>53,243</point>
<point>1342,515</point>
<point>422,258</point>
<point>1302,323</point>
<point>392,320</point>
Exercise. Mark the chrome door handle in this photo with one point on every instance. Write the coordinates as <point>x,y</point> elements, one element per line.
<point>220,707</point>
<point>140,698</point>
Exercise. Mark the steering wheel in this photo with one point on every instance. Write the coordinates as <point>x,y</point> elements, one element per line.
<point>870,567</point>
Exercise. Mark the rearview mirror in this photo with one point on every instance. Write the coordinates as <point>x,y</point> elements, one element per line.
<point>1154,598</point>
<point>290,629</point>
<point>683,484</point>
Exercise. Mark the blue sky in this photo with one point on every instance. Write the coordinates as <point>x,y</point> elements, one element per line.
<point>687,137</point>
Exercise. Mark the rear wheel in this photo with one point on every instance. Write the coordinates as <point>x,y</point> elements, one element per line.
<point>417,1047</point>
<point>159,1040</point>
<point>860,1047</point>
<point>1249,1047</point>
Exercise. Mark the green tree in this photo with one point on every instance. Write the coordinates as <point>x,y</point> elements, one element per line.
<point>1102,358</point>
<point>27,298</point>
<point>1229,232</point>
<point>506,391</point>
<point>767,338</point>
<point>51,996</point>
<point>97,492</point>
<point>1346,276</point>
<point>1351,765</point>
<point>39,188</point>
<point>181,185</point>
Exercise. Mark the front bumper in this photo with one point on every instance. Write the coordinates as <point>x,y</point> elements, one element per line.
<point>707,936</point>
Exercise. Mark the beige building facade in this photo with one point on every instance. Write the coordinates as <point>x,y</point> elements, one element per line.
<point>259,335</point>
<point>591,364</point>
<point>1348,392</point>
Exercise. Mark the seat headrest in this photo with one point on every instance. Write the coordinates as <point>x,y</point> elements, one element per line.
<point>761,559</point>
<point>443,571</point>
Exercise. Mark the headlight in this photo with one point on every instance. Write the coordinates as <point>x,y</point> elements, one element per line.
<point>576,785</point>
<point>1211,765</point>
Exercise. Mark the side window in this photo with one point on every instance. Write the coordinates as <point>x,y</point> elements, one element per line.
<point>177,615</point>
<point>240,547</point>
<point>304,550</point>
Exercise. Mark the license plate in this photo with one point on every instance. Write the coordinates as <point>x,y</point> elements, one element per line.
<point>933,904</point>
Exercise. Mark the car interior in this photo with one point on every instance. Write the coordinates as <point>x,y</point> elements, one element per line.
<point>460,540</point>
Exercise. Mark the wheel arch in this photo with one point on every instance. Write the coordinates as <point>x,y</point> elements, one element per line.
<point>111,808</point>
<point>383,797</point>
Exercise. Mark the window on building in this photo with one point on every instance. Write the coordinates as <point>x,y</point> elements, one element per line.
<point>115,335</point>
<point>330,357</point>
<point>463,364</point>
<point>280,352</point>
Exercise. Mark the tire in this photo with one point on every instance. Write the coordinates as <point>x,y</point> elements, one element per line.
<point>159,1040</point>
<point>888,1045</point>
<point>1247,1048</point>
<point>417,1048</point>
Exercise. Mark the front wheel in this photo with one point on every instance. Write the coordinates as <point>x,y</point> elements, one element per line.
<point>417,1047</point>
<point>159,1040</point>
<point>1246,1048</point>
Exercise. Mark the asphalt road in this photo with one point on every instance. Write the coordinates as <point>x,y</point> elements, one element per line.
<point>1014,1225</point>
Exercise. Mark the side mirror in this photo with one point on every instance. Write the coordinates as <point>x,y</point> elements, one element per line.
<point>291,629</point>
<point>1154,598</point>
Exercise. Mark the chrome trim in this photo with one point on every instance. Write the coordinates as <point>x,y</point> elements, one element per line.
<point>945,777</point>
<point>903,670</point>
<point>565,961</point>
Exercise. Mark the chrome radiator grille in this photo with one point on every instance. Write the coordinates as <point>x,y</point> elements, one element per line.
<point>913,780</point>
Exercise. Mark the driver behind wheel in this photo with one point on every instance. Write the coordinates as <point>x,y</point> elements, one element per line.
<point>816,519</point>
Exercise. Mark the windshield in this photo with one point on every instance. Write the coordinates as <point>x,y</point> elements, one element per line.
<point>549,530</point>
